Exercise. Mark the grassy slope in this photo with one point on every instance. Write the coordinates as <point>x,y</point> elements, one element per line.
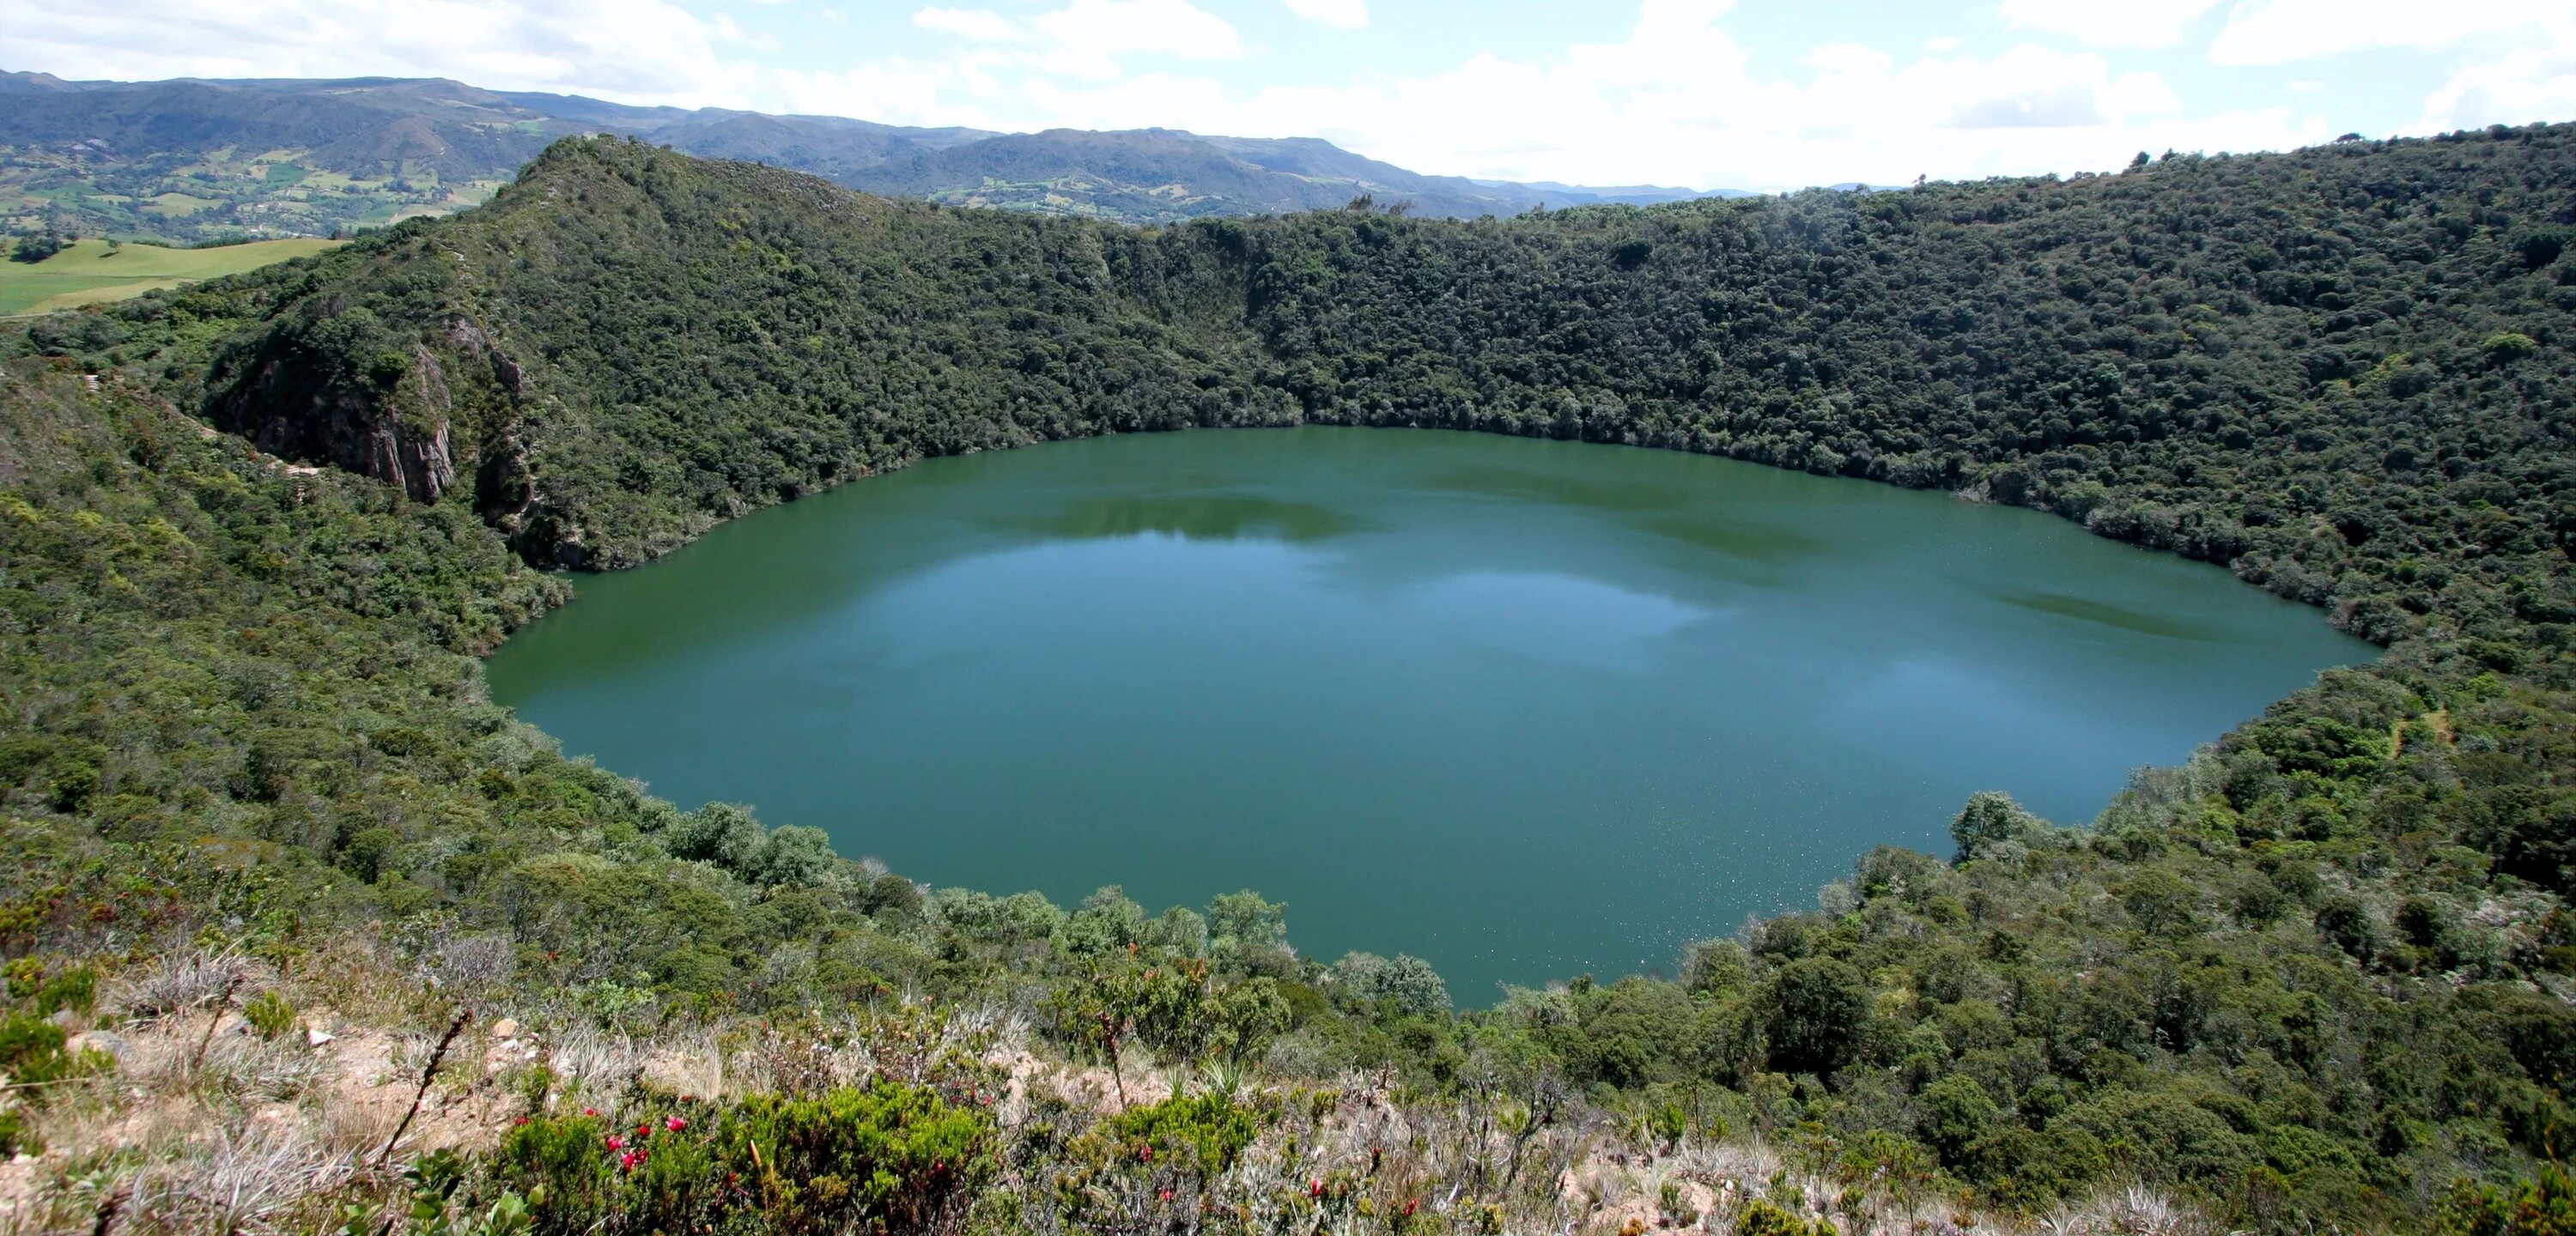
<point>88,273</point>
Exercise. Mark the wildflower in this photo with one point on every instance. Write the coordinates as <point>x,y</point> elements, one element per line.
<point>1145,1153</point>
<point>1315,1187</point>
<point>1167,1195</point>
<point>675,1124</point>
<point>521,1120</point>
<point>626,1162</point>
<point>590,1111</point>
<point>1409,1204</point>
<point>615,1142</point>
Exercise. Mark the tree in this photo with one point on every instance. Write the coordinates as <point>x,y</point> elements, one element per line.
<point>1106,921</point>
<point>1814,1008</point>
<point>1244,923</point>
<point>1406,986</point>
<point>1991,822</point>
<point>792,855</point>
<point>37,246</point>
<point>725,834</point>
<point>1956,1114</point>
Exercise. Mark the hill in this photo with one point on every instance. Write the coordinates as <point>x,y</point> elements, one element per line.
<point>2319,977</point>
<point>192,160</point>
<point>89,271</point>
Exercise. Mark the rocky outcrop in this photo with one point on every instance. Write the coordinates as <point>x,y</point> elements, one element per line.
<point>392,413</point>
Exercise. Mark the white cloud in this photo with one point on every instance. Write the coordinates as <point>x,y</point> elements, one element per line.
<point>976,25</point>
<point>2517,87</point>
<point>1678,101</point>
<point>1118,27</point>
<point>2109,23</point>
<point>1339,14</point>
<point>627,50</point>
<point>1086,38</point>
<point>1673,98</point>
<point>2265,32</point>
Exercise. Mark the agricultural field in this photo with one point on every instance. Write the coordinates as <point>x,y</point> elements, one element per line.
<point>89,271</point>
<point>219,195</point>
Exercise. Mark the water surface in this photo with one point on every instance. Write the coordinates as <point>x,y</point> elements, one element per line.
<point>1526,709</point>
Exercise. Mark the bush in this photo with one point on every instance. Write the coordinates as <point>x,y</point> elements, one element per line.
<point>1763,1218</point>
<point>1991,825</point>
<point>1405,986</point>
<point>1204,1131</point>
<point>1957,1114</point>
<point>1814,1007</point>
<point>2544,1205</point>
<point>269,1015</point>
<point>884,1157</point>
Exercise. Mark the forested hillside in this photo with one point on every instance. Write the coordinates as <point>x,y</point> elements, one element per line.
<point>193,161</point>
<point>2317,978</point>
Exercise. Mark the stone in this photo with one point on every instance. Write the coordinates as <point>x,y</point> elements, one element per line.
<point>111,1044</point>
<point>506,1028</point>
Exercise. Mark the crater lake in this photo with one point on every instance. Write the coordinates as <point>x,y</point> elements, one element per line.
<point>1526,709</point>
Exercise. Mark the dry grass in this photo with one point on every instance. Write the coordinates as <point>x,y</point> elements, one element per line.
<point>274,1135</point>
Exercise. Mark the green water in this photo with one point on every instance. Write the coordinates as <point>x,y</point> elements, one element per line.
<point>1526,709</point>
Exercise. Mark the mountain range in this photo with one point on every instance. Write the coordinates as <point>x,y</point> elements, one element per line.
<point>195,160</point>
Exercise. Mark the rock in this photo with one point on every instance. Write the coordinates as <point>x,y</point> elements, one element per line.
<point>506,1028</point>
<point>113,1045</point>
<point>62,1017</point>
<point>315,1037</point>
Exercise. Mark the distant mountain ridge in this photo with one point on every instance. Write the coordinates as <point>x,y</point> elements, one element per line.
<point>190,160</point>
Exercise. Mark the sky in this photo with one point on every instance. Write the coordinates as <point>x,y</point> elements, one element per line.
<point>1704,94</point>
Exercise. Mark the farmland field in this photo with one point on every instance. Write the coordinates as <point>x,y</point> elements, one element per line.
<point>87,271</point>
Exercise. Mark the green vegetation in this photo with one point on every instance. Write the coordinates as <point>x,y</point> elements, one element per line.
<point>88,271</point>
<point>2317,977</point>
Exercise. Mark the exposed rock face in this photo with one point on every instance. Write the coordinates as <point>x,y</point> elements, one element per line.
<point>288,408</point>
<point>396,421</point>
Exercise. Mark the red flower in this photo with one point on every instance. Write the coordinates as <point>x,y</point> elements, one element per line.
<point>590,1111</point>
<point>675,1124</point>
<point>1167,1195</point>
<point>1315,1188</point>
<point>1410,1203</point>
<point>626,1162</point>
<point>615,1142</point>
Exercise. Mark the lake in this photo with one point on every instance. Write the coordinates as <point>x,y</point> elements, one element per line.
<point>1526,709</point>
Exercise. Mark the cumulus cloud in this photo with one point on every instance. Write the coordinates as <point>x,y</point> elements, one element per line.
<point>1339,14</point>
<point>2267,32</point>
<point>1669,97</point>
<point>2109,23</point>
<point>2516,87</point>
<point>628,50</point>
<point>975,25</point>
<point>1678,100</point>
<point>1088,39</point>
